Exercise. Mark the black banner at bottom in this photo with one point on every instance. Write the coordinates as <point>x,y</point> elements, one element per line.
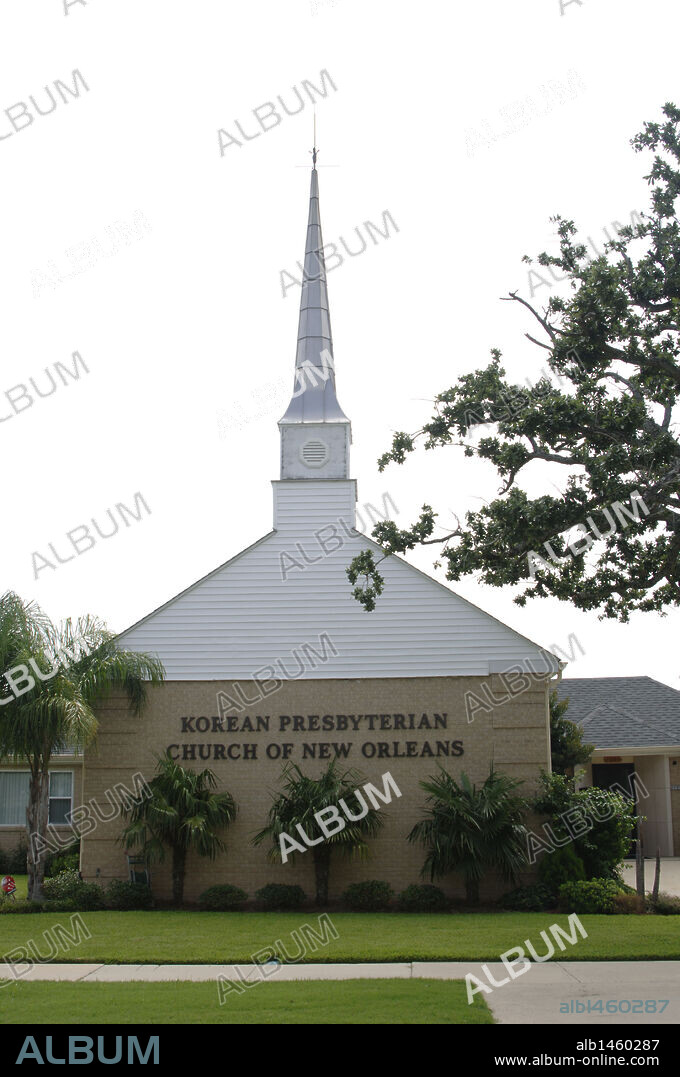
<point>497,1046</point>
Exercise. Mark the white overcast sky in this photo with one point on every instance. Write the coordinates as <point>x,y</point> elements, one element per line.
<point>471,124</point>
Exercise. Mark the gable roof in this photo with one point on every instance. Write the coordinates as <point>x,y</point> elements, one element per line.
<point>623,712</point>
<point>248,616</point>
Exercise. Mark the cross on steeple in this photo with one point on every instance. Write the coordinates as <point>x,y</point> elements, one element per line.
<point>314,149</point>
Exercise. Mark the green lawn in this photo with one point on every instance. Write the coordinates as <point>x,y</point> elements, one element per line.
<point>361,1002</point>
<point>221,938</point>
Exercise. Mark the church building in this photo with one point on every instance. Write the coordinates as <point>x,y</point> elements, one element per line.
<point>270,659</point>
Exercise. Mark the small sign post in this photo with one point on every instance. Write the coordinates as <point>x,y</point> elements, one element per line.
<point>9,886</point>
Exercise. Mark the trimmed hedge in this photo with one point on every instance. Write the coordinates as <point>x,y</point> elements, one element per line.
<point>535,898</point>
<point>424,898</point>
<point>370,896</point>
<point>281,896</point>
<point>123,895</point>
<point>59,906</point>
<point>21,906</point>
<point>224,898</point>
<point>594,896</point>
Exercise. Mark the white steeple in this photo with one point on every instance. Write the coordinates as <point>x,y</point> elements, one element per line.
<point>315,432</point>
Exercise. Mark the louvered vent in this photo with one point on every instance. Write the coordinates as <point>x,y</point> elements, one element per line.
<point>314,453</point>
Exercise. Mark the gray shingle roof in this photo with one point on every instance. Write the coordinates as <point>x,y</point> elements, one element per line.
<point>623,712</point>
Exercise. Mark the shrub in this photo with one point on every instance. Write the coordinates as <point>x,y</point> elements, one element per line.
<point>561,866</point>
<point>59,906</point>
<point>222,898</point>
<point>124,895</point>
<point>535,898</point>
<point>63,885</point>
<point>610,818</point>
<point>596,895</point>
<point>66,860</point>
<point>89,897</point>
<point>13,861</point>
<point>628,903</point>
<point>280,896</point>
<point>603,848</point>
<point>423,899</point>
<point>68,886</point>
<point>20,906</point>
<point>50,906</point>
<point>369,896</point>
<point>666,905</point>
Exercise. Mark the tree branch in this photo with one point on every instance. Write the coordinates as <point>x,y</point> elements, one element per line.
<point>512,296</point>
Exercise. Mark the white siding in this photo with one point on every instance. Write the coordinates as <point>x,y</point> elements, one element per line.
<point>245,616</point>
<point>306,506</point>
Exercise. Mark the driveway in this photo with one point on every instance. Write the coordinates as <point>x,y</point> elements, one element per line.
<point>669,879</point>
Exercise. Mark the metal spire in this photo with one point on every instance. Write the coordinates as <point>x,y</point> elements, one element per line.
<point>314,398</point>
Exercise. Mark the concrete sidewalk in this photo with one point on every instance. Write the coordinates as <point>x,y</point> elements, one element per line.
<point>535,997</point>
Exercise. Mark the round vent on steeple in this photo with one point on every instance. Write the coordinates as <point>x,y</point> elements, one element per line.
<point>314,453</point>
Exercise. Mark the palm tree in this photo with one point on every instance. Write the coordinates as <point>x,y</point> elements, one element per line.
<point>53,679</point>
<point>301,799</point>
<point>472,830</point>
<point>183,813</point>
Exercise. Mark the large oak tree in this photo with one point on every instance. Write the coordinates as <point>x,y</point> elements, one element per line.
<point>604,412</point>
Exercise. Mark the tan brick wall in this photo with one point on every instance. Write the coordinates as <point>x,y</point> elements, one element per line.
<point>514,737</point>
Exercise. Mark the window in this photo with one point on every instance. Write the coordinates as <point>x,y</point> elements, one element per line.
<point>61,796</point>
<point>65,749</point>
<point>14,797</point>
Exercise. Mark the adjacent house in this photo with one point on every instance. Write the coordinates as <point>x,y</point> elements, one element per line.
<point>634,724</point>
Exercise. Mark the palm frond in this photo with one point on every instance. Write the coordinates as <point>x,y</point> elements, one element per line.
<point>303,797</point>
<point>472,829</point>
<point>182,812</point>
